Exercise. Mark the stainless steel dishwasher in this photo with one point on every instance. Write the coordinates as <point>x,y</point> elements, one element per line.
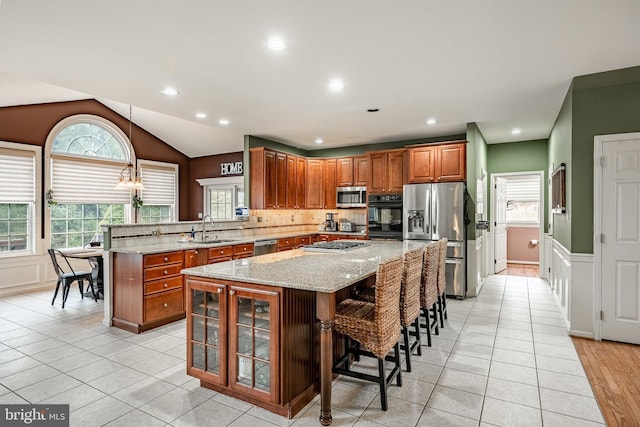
<point>262,247</point>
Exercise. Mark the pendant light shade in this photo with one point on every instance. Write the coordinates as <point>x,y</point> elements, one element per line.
<point>129,178</point>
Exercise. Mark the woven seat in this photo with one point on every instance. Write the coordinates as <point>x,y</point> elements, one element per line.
<point>375,328</point>
<point>410,302</point>
<point>442,281</point>
<point>429,289</point>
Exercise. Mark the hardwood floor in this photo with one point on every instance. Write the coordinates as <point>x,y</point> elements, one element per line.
<point>526,270</point>
<point>613,370</point>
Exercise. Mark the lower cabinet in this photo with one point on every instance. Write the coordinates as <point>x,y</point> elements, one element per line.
<point>234,343</point>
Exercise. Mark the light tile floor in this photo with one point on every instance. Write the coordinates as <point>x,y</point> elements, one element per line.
<point>503,358</point>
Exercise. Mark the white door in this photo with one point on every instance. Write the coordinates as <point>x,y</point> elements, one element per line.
<point>500,225</point>
<point>620,250</point>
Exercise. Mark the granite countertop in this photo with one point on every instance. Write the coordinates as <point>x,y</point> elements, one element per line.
<point>177,246</point>
<point>313,271</point>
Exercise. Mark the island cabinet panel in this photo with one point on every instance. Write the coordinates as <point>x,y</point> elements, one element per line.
<point>360,170</point>
<point>148,290</point>
<point>314,184</point>
<point>253,342</point>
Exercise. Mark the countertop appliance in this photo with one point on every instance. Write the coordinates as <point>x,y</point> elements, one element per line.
<point>330,222</point>
<point>347,226</point>
<point>351,197</point>
<point>262,247</point>
<point>385,217</point>
<point>434,211</point>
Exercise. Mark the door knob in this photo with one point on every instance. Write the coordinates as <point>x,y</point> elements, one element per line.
<point>165,305</point>
<point>231,292</point>
<point>219,290</point>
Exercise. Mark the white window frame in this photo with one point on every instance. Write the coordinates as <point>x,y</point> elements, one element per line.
<point>99,121</point>
<point>142,163</point>
<point>35,224</point>
<point>234,182</point>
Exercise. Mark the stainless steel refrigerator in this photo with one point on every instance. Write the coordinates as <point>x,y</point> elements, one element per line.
<point>433,211</point>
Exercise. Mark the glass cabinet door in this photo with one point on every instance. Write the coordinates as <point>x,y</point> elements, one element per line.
<point>253,342</point>
<point>207,331</point>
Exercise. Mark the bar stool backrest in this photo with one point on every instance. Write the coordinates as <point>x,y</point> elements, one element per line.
<point>410,290</point>
<point>429,285</point>
<point>387,305</point>
<point>442,265</point>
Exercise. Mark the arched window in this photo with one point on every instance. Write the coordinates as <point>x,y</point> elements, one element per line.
<point>86,155</point>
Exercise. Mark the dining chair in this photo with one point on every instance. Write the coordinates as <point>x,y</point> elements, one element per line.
<point>429,289</point>
<point>442,281</point>
<point>67,275</point>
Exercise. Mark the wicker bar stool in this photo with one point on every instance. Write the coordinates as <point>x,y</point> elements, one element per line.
<point>429,289</point>
<point>442,281</point>
<point>375,328</point>
<point>410,302</point>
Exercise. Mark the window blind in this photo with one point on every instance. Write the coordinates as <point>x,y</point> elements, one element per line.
<point>86,181</point>
<point>523,188</point>
<point>159,185</point>
<point>18,176</point>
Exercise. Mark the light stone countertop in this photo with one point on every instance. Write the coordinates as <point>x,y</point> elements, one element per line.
<point>176,246</point>
<point>312,271</point>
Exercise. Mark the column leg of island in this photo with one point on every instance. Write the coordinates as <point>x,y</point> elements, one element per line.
<point>326,310</point>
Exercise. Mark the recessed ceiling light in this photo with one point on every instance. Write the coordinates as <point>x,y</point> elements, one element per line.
<point>201,115</point>
<point>276,43</point>
<point>223,122</point>
<point>373,110</point>
<point>432,121</point>
<point>319,141</point>
<point>336,85</point>
<point>516,131</point>
<point>169,91</point>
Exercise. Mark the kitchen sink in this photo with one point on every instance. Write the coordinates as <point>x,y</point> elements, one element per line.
<point>211,241</point>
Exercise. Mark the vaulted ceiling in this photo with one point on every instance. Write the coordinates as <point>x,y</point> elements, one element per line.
<point>504,64</point>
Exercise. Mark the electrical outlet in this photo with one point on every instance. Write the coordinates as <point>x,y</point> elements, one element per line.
<point>199,215</point>
<point>259,219</point>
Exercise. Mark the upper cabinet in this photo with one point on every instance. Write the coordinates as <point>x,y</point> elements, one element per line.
<point>437,163</point>
<point>352,171</point>
<point>314,196</point>
<point>269,179</point>
<point>386,171</point>
<point>296,182</point>
<point>360,170</point>
<point>329,183</point>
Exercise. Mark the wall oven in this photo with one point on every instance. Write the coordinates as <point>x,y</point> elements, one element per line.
<point>385,216</point>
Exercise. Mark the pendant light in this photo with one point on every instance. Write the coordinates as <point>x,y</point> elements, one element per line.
<point>129,178</point>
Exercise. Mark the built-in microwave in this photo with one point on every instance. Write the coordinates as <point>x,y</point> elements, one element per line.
<point>351,197</point>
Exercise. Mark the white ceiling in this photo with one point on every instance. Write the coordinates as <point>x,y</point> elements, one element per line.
<point>500,63</point>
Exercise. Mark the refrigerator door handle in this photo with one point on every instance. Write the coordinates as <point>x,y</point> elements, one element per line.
<point>434,214</point>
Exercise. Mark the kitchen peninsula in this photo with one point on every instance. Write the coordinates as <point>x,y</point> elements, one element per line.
<point>251,323</point>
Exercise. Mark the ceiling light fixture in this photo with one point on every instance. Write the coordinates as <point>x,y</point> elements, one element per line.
<point>223,122</point>
<point>276,43</point>
<point>319,141</point>
<point>169,91</point>
<point>516,131</point>
<point>129,178</point>
<point>201,115</point>
<point>432,121</point>
<point>336,85</point>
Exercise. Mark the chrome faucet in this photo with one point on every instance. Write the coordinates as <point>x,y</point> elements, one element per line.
<point>204,231</point>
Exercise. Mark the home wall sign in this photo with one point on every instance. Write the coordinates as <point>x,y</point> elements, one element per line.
<point>234,168</point>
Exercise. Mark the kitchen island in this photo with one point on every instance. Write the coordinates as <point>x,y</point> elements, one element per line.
<point>254,324</point>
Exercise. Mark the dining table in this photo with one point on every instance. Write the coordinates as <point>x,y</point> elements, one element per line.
<point>94,256</point>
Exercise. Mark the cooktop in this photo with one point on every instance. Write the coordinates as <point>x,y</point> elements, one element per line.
<point>334,246</point>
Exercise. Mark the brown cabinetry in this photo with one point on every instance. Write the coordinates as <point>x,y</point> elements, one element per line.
<point>314,194</point>
<point>437,163</point>
<point>244,250</point>
<point>195,257</point>
<point>386,171</point>
<point>219,254</point>
<point>344,172</point>
<point>329,183</point>
<point>148,290</point>
<point>360,170</point>
<point>268,172</point>
<point>286,244</point>
<point>296,182</point>
<point>233,338</point>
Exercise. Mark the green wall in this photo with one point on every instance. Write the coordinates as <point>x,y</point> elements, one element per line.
<point>560,152</point>
<point>522,156</point>
<point>603,103</point>
<point>476,161</point>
